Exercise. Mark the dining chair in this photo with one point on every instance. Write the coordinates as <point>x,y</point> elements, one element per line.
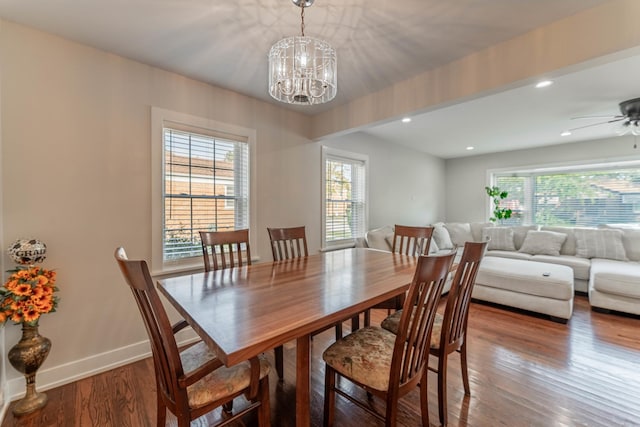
<point>388,365</point>
<point>223,249</point>
<point>288,243</point>
<point>227,246</point>
<point>450,330</point>
<point>407,240</point>
<point>291,243</point>
<point>192,382</point>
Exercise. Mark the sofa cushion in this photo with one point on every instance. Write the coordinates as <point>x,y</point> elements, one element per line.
<point>525,277</point>
<point>600,243</point>
<point>376,238</point>
<point>543,242</point>
<point>630,240</point>
<point>581,266</point>
<point>509,254</point>
<point>569,245</point>
<point>460,232</point>
<point>501,238</point>
<point>616,277</point>
<point>520,232</point>
<point>476,229</point>
<point>441,236</point>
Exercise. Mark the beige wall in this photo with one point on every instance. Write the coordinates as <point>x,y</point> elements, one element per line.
<point>466,177</point>
<point>554,49</point>
<point>76,174</point>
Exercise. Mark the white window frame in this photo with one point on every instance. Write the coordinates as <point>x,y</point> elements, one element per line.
<point>161,118</point>
<point>594,164</point>
<point>333,153</point>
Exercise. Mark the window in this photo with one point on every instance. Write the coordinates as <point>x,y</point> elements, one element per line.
<point>202,184</point>
<point>573,196</point>
<point>344,197</point>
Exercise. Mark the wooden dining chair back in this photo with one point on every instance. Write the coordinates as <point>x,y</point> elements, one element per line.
<point>385,364</point>
<point>411,240</point>
<point>407,240</point>
<point>450,330</point>
<point>193,382</point>
<point>291,243</point>
<point>288,243</point>
<point>224,249</point>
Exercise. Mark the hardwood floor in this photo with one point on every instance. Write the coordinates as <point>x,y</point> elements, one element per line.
<point>524,371</point>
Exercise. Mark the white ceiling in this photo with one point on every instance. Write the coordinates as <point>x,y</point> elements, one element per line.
<point>379,42</point>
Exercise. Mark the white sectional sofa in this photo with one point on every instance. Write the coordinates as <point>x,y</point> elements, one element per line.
<point>604,261</point>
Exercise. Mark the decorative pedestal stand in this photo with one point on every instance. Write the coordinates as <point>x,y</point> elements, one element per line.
<point>27,356</point>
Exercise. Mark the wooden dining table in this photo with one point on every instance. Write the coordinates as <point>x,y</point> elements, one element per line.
<point>244,311</point>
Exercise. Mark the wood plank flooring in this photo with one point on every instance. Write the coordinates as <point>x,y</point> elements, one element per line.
<point>525,370</point>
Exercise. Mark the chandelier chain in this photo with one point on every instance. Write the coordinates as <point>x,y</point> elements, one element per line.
<point>302,18</point>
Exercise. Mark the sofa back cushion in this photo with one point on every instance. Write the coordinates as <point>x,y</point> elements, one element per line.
<point>543,242</point>
<point>460,232</point>
<point>630,240</point>
<point>600,243</point>
<point>379,238</point>
<point>501,238</point>
<point>476,229</point>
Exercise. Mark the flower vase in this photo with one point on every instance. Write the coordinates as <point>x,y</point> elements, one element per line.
<point>27,356</point>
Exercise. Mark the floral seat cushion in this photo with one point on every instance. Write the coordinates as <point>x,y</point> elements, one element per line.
<point>364,356</point>
<point>392,322</point>
<point>220,383</point>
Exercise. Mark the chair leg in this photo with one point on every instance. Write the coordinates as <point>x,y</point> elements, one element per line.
<point>264,411</point>
<point>329,396</point>
<point>367,318</point>
<point>279,353</point>
<point>228,407</point>
<point>161,412</point>
<point>424,402</point>
<point>463,366</point>
<point>355,323</point>
<point>442,388</point>
<point>391,413</point>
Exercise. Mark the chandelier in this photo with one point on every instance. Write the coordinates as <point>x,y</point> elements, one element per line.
<point>302,70</point>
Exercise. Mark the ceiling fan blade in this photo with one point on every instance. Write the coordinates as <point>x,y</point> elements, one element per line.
<point>619,118</point>
<point>596,117</point>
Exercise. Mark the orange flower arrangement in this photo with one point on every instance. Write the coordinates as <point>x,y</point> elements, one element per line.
<point>27,294</point>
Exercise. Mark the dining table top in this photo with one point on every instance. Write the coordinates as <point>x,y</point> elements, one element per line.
<point>247,310</point>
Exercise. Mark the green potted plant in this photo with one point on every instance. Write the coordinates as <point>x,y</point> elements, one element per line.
<point>497,196</point>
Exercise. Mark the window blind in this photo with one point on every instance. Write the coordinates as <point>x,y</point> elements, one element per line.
<point>587,197</point>
<point>345,199</point>
<point>206,188</point>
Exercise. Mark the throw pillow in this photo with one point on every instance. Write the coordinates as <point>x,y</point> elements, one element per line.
<point>543,243</point>
<point>592,243</point>
<point>501,238</point>
<point>441,237</point>
<point>460,232</point>
<point>433,247</point>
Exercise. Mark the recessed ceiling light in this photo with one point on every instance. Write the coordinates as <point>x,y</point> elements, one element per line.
<point>543,83</point>
<point>406,120</point>
<point>470,148</point>
<point>565,133</point>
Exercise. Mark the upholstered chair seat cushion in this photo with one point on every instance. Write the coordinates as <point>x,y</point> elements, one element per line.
<point>221,382</point>
<point>364,356</point>
<point>392,322</point>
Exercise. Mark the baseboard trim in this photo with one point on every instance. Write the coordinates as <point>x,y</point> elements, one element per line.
<point>83,368</point>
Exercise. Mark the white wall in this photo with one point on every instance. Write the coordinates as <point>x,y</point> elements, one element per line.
<point>466,177</point>
<point>75,141</point>
<point>405,186</point>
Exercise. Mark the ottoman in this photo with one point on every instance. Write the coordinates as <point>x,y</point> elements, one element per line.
<point>528,285</point>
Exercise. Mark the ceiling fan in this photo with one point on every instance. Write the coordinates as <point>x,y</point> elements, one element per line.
<point>629,119</point>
